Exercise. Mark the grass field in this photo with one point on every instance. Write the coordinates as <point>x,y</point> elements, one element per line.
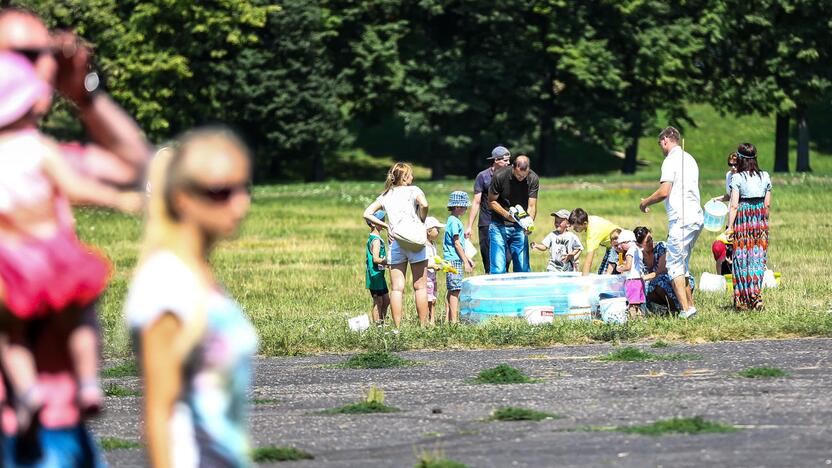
<point>297,269</point>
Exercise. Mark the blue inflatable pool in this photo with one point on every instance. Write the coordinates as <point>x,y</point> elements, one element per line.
<point>509,295</point>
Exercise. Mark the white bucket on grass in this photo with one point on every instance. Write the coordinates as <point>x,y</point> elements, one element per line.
<point>360,323</point>
<point>710,282</point>
<point>614,310</point>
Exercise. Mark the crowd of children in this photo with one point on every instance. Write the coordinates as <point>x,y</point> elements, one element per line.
<point>454,261</point>
<point>624,256</point>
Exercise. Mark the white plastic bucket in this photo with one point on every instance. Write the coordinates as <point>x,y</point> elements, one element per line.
<point>710,282</point>
<point>470,250</point>
<point>360,323</point>
<point>770,279</point>
<point>715,213</point>
<point>539,315</point>
<point>614,310</point>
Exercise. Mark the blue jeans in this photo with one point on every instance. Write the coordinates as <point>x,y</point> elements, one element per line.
<point>62,448</point>
<point>505,240</point>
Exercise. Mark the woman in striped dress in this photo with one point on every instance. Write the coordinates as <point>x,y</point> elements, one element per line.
<point>748,228</point>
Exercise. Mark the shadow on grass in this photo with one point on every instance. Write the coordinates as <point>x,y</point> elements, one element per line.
<point>512,413</point>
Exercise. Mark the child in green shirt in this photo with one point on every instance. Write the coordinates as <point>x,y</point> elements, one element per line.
<point>376,254</point>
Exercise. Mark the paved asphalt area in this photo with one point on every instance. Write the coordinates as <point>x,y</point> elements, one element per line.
<point>782,421</point>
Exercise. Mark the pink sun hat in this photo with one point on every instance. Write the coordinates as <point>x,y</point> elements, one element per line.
<point>20,87</point>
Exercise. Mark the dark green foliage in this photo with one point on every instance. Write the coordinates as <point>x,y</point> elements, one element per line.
<point>691,426</point>
<point>660,344</point>
<point>374,360</point>
<point>511,413</point>
<point>763,373</point>
<point>363,407</point>
<point>502,374</point>
<point>279,454</point>
<point>630,353</point>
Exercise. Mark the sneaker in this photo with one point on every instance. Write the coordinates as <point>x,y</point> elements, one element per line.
<point>686,314</point>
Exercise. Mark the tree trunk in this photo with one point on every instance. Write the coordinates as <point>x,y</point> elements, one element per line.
<point>631,152</point>
<point>437,164</point>
<point>546,163</point>
<point>802,140</point>
<point>319,168</point>
<point>781,143</point>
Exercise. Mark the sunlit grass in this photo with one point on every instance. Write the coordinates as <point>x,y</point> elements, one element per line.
<point>297,269</point>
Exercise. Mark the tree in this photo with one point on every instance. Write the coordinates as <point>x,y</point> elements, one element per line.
<point>772,56</point>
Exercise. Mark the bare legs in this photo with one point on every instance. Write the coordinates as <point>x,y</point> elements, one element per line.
<point>420,290</point>
<point>681,286</point>
<point>452,314</point>
<point>379,310</point>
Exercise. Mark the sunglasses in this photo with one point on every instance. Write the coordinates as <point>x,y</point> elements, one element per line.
<point>732,164</point>
<point>219,193</point>
<point>33,54</point>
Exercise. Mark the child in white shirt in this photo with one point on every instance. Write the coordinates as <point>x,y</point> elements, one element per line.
<point>632,268</point>
<point>564,246</point>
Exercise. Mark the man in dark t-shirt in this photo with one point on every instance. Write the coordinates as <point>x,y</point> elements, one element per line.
<point>511,186</point>
<point>499,158</point>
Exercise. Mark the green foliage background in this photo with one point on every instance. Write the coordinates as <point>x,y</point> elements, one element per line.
<point>440,82</point>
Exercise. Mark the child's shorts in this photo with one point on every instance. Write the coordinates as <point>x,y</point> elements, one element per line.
<point>454,280</point>
<point>635,291</point>
<point>431,286</point>
<point>379,292</point>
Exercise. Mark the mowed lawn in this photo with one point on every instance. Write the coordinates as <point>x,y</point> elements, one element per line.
<point>298,269</point>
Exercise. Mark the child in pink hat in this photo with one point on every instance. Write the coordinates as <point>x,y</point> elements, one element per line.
<point>44,268</point>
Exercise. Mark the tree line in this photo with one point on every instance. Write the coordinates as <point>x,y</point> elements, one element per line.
<point>297,77</point>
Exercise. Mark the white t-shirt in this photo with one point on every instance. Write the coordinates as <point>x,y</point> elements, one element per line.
<point>680,169</point>
<point>560,245</point>
<point>400,205</point>
<point>638,262</point>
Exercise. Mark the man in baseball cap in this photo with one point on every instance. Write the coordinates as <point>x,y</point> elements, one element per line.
<point>500,157</point>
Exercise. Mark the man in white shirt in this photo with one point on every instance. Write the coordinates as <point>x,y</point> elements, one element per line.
<point>680,191</point>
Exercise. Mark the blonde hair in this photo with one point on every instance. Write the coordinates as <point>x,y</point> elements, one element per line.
<point>396,175</point>
<point>615,232</point>
<point>164,231</point>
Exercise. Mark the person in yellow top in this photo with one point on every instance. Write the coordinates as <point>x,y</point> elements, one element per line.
<point>598,232</point>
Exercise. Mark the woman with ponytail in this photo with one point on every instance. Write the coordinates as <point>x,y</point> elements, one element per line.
<point>748,228</point>
<point>406,208</point>
<point>193,341</point>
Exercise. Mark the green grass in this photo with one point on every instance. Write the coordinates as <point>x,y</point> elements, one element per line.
<point>512,413</point>
<point>375,360</point>
<point>279,454</point>
<point>440,463</point>
<point>634,354</point>
<point>362,407</point>
<point>264,401</point>
<point>114,390</point>
<point>690,426</point>
<point>111,443</point>
<point>763,373</point>
<point>502,374</point>
<point>297,269</point>
<point>660,344</point>
<point>125,369</point>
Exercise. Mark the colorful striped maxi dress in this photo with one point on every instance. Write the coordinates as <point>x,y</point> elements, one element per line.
<point>750,239</point>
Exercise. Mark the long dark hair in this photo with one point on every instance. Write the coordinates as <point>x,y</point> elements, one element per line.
<point>748,159</point>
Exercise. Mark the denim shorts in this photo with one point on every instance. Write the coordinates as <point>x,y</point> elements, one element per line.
<point>62,448</point>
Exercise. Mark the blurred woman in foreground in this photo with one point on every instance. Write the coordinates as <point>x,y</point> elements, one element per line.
<point>193,340</point>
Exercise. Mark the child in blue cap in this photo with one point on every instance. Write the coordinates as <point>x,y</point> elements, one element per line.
<point>376,261</point>
<point>454,252</point>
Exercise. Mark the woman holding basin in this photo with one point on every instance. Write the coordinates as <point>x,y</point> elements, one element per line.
<point>407,209</point>
<point>748,228</point>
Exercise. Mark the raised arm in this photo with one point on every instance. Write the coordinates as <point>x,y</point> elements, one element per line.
<point>162,371</point>
<point>82,190</point>
<point>107,124</point>
<point>369,215</point>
